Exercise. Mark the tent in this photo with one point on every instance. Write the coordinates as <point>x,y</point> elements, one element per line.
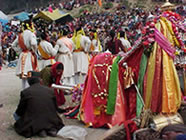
<point>56,15</point>
<point>3,21</point>
<point>3,16</point>
<point>22,16</point>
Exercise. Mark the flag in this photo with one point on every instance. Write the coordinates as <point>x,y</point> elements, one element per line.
<point>50,9</point>
<point>100,3</point>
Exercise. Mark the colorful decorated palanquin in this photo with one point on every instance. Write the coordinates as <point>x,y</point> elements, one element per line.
<point>110,94</point>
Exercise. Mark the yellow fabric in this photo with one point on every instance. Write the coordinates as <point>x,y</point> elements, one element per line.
<point>171,98</point>
<point>150,76</point>
<point>43,53</point>
<point>126,36</point>
<point>77,38</point>
<point>32,29</point>
<point>173,40</point>
<point>118,36</point>
<point>52,61</point>
<point>99,43</point>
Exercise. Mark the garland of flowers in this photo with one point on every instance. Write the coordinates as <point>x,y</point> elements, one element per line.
<point>148,37</point>
<point>77,93</point>
<point>174,18</point>
<point>176,43</point>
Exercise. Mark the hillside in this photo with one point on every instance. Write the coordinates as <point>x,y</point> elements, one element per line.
<point>12,6</point>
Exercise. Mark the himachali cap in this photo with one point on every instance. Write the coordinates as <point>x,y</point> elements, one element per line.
<point>33,74</point>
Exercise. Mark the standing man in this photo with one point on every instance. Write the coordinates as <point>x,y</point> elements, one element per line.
<point>66,47</point>
<point>26,45</point>
<point>96,43</point>
<point>80,57</point>
<point>125,43</point>
<point>47,51</point>
<point>115,45</point>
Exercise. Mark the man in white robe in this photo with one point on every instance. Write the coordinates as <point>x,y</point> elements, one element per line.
<point>126,44</point>
<point>47,51</point>
<point>80,56</point>
<point>26,45</point>
<point>66,47</point>
<point>96,46</point>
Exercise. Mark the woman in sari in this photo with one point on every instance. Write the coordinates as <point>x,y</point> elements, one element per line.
<point>52,75</point>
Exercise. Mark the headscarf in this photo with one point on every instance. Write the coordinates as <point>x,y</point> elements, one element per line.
<point>54,73</point>
<point>28,25</point>
<point>58,93</point>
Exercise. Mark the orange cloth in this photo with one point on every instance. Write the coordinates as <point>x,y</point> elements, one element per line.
<point>100,3</point>
<point>43,53</point>
<point>21,43</point>
<point>67,43</point>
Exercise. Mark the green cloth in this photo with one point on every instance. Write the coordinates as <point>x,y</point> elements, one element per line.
<point>113,87</point>
<point>143,66</point>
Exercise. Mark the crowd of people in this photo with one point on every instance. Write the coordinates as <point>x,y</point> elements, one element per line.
<point>66,55</point>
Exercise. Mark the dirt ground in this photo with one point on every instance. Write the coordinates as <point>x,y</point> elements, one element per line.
<point>10,86</point>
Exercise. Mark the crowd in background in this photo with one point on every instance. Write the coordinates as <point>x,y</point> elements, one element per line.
<point>131,21</point>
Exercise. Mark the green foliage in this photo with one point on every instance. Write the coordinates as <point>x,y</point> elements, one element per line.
<point>107,5</point>
<point>141,3</point>
<point>126,3</point>
<point>86,7</point>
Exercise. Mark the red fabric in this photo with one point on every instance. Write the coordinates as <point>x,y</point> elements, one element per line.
<point>130,128</point>
<point>130,93</point>
<point>103,118</point>
<point>58,93</point>
<point>156,103</point>
<point>34,61</point>
<point>94,107</point>
<point>118,45</point>
<point>21,43</point>
<point>134,60</point>
<point>115,46</point>
<point>129,97</point>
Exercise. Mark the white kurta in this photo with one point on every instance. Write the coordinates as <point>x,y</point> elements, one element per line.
<point>125,43</point>
<point>25,58</point>
<point>96,46</point>
<point>81,61</point>
<point>48,48</point>
<point>65,56</point>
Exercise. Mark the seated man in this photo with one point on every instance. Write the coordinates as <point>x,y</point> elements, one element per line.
<point>36,113</point>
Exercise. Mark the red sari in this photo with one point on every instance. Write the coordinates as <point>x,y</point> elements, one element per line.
<point>94,98</point>
<point>133,61</point>
<point>58,93</point>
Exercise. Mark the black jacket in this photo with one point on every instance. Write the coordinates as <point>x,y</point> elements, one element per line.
<point>37,110</point>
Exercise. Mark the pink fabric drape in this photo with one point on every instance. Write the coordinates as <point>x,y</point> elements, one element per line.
<point>164,43</point>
